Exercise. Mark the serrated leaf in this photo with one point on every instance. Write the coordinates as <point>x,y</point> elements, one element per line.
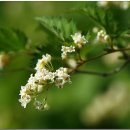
<point>106,19</point>
<point>103,18</point>
<point>12,40</point>
<point>59,27</point>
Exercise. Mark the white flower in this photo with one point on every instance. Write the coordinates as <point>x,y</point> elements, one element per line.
<point>37,82</point>
<point>62,77</point>
<point>32,79</point>
<point>41,105</point>
<point>46,58</point>
<point>28,91</point>
<point>25,98</point>
<point>61,72</point>
<point>23,90</point>
<point>42,62</point>
<point>79,40</point>
<point>65,50</point>
<point>48,75</point>
<point>102,36</point>
<point>44,74</point>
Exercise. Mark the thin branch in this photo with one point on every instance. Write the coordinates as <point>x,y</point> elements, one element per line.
<point>81,63</point>
<point>97,57</point>
<point>105,74</point>
<point>111,51</point>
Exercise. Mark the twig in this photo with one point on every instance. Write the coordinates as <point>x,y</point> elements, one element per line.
<point>81,63</point>
<point>105,74</point>
<point>97,57</point>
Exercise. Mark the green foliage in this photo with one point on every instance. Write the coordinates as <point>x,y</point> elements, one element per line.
<point>102,17</point>
<point>59,27</point>
<point>85,89</point>
<point>59,32</point>
<point>12,40</point>
<point>47,47</point>
<point>105,19</point>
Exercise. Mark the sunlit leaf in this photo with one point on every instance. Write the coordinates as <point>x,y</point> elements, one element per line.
<point>58,27</point>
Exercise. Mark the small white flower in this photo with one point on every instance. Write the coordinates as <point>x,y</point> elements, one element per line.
<point>46,58</point>
<point>23,90</point>
<point>42,78</point>
<point>32,79</point>
<point>62,77</point>
<point>44,74</point>
<point>42,62</point>
<point>49,75</point>
<point>41,105</point>
<point>25,99</point>
<point>61,72</point>
<point>102,36</point>
<point>27,89</point>
<point>26,93</point>
<point>79,40</point>
<point>65,50</point>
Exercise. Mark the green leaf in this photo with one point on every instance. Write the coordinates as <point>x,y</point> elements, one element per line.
<point>103,18</point>
<point>59,27</point>
<point>12,40</point>
<point>110,20</point>
<point>44,49</point>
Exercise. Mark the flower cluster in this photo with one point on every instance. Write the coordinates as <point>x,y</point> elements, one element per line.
<point>62,77</point>
<point>42,62</point>
<point>42,78</point>
<point>65,50</point>
<point>79,40</point>
<point>102,36</point>
<point>46,76</point>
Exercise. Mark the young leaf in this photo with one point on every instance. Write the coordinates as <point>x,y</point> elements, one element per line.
<point>58,27</point>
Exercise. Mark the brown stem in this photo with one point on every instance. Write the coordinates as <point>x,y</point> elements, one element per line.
<point>97,57</point>
<point>104,74</point>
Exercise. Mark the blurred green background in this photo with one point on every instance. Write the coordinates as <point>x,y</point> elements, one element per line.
<point>89,102</point>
